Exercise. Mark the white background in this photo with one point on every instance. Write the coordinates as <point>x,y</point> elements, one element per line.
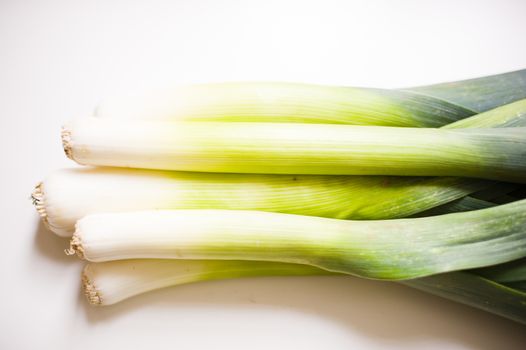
<point>59,58</point>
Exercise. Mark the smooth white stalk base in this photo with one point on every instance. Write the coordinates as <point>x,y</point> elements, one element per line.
<point>67,195</point>
<point>110,282</point>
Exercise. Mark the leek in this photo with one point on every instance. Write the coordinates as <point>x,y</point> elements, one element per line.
<point>285,102</point>
<point>110,282</point>
<point>426,106</point>
<point>388,249</point>
<point>496,154</point>
<point>67,195</point>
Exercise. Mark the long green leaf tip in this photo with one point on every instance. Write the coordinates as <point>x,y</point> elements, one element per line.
<point>480,94</point>
<point>108,283</point>
<point>388,249</point>
<point>506,116</point>
<point>471,289</point>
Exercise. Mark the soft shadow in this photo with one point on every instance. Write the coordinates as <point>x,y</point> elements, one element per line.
<point>50,245</point>
<point>377,309</point>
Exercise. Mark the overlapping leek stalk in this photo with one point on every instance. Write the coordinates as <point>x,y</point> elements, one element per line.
<point>67,195</point>
<point>384,249</point>
<point>286,103</point>
<point>497,154</point>
<point>425,106</point>
<point>110,282</point>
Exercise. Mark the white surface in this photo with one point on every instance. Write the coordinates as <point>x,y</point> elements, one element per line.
<point>58,58</point>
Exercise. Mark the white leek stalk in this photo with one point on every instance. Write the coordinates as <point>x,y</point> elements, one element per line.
<point>111,282</point>
<point>496,154</point>
<point>389,249</point>
<point>67,195</point>
<point>285,103</point>
<point>423,106</point>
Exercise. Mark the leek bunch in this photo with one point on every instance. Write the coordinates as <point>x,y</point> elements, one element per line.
<point>421,186</point>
